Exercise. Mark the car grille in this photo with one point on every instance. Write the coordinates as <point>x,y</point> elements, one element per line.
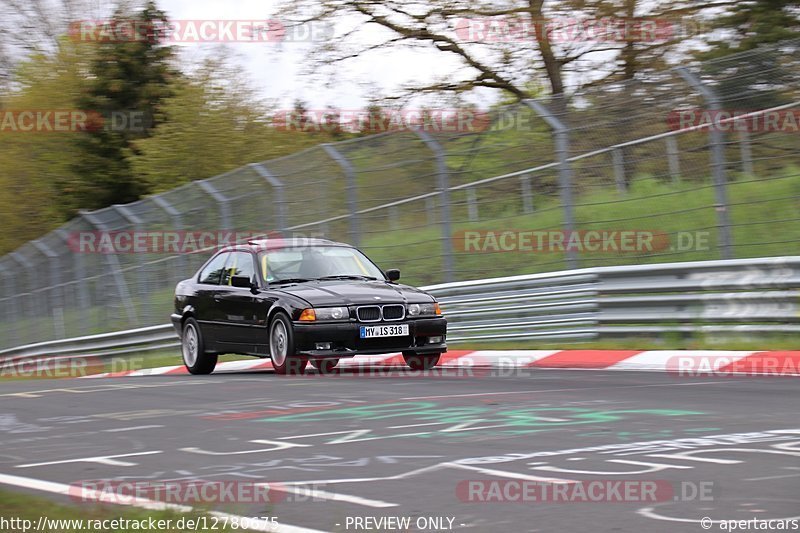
<point>394,312</point>
<point>374,313</point>
<point>369,313</point>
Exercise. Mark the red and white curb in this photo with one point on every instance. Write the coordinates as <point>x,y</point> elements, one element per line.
<point>679,362</point>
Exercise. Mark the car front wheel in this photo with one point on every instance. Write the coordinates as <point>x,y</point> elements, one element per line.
<point>421,362</point>
<point>281,347</point>
<point>195,358</point>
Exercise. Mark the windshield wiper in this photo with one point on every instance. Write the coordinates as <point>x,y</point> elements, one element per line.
<point>290,280</point>
<point>348,276</point>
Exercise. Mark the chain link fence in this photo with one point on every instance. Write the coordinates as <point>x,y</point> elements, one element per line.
<point>625,173</point>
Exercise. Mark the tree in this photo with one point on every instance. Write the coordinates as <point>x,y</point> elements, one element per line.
<point>504,46</point>
<point>130,78</point>
<point>37,166</point>
<point>751,23</point>
<point>216,124</point>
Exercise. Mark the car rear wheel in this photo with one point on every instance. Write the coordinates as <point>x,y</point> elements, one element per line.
<point>195,358</point>
<point>281,347</point>
<point>324,366</point>
<point>421,362</point>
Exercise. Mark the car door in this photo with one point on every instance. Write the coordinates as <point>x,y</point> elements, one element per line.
<point>241,311</point>
<point>207,311</point>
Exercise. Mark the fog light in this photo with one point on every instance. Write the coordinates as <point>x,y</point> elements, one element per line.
<point>434,340</point>
<point>323,346</point>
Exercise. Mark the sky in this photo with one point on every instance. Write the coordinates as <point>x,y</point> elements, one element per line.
<point>276,69</point>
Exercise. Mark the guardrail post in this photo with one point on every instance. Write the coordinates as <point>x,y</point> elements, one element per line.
<point>444,194</point>
<point>280,199</point>
<point>673,159</point>
<point>619,170</point>
<point>222,203</point>
<point>565,170</point>
<point>57,301</point>
<point>115,271</point>
<point>527,194</point>
<point>351,190</point>
<point>717,141</point>
<point>79,276</point>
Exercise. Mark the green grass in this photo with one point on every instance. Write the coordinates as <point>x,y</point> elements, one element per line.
<point>763,213</point>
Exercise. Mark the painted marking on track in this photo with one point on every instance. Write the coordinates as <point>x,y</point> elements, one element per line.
<point>332,496</point>
<point>275,446</point>
<point>134,428</point>
<point>511,475</point>
<point>567,390</point>
<point>110,460</point>
<point>142,503</point>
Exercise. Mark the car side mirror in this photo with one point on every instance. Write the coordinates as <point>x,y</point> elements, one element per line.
<point>243,282</point>
<point>393,274</point>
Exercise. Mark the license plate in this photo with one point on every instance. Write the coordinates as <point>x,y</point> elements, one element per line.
<point>368,332</point>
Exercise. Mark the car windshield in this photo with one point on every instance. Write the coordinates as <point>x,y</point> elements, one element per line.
<point>311,263</point>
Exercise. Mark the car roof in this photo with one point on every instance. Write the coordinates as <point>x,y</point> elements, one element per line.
<point>276,243</point>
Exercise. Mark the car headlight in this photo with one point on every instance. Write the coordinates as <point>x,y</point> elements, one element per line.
<point>431,309</point>
<point>324,313</point>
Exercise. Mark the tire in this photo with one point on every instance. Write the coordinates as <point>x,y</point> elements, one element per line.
<point>281,347</point>
<point>195,358</point>
<point>421,362</point>
<point>324,366</point>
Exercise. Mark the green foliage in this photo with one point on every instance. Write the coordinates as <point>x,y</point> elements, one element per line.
<point>126,76</point>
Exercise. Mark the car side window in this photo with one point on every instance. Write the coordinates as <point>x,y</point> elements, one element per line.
<point>213,271</point>
<point>239,264</point>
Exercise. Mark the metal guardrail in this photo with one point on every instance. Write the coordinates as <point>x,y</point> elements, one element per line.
<point>743,296</point>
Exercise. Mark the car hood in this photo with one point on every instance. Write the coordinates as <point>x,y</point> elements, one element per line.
<point>338,292</point>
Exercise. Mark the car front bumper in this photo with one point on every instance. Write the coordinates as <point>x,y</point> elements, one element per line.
<point>347,342</point>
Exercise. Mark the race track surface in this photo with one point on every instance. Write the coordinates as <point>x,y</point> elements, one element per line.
<point>391,443</point>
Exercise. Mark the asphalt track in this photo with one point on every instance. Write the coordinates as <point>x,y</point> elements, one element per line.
<point>400,444</point>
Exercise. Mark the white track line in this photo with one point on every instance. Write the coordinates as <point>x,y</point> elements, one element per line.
<point>104,497</point>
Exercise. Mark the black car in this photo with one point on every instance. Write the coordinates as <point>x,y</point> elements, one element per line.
<point>301,300</point>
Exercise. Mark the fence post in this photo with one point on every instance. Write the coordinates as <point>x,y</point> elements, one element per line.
<point>472,205</point>
<point>56,304</point>
<point>618,159</point>
<point>673,160</point>
<point>444,194</point>
<point>115,271</point>
<point>11,311</point>
<point>28,304</point>
<point>745,150</point>
<point>527,194</point>
<point>79,276</point>
<point>222,203</point>
<point>565,169</point>
<point>142,271</point>
<point>717,142</point>
<point>351,190</point>
<point>280,198</point>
